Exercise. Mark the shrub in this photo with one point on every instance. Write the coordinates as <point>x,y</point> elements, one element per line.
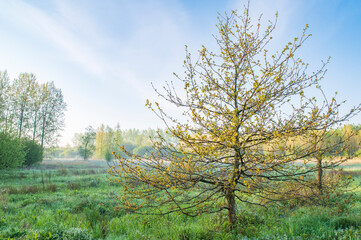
<point>12,153</point>
<point>34,152</point>
<point>109,156</point>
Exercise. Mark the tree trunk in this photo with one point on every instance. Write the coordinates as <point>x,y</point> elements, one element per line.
<point>21,122</point>
<point>42,133</point>
<point>231,205</point>
<point>319,174</point>
<point>35,126</point>
<point>85,153</point>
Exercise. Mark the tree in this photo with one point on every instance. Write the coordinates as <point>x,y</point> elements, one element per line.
<point>100,142</point>
<point>86,143</point>
<point>246,109</point>
<point>31,109</point>
<point>4,86</point>
<point>35,106</point>
<point>23,89</point>
<point>5,108</point>
<point>51,115</point>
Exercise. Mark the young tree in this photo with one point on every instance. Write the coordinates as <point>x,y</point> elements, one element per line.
<point>100,142</point>
<point>246,108</point>
<point>36,102</point>
<point>6,119</point>
<point>110,143</point>
<point>86,143</point>
<point>51,114</point>
<point>4,87</point>
<point>23,89</point>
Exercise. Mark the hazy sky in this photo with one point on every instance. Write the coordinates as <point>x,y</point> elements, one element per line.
<point>105,54</point>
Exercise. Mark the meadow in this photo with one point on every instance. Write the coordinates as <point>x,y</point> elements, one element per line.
<point>74,200</point>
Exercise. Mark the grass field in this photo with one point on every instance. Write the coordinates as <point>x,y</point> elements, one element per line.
<point>74,200</point>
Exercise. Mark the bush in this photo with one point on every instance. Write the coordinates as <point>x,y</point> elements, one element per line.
<point>109,156</point>
<point>34,152</point>
<point>12,153</point>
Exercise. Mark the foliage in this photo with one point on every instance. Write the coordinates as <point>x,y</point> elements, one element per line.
<point>34,152</point>
<point>114,137</point>
<point>247,108</point>
<point>28,110</point>
<point>109,140</point>
<point>66,152</point>
<point>32,110</point>
<point>86,143</point>
<point>108,156</point>
<point>12,152</point>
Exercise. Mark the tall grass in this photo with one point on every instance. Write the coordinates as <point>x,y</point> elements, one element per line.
<point>79,203</point>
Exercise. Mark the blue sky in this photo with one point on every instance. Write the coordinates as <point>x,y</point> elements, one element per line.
<point>105,54</point>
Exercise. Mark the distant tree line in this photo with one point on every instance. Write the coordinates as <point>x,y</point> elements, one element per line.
<point>31,116</point>
<point>105,140</point>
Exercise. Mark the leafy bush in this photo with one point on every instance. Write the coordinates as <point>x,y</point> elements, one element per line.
<point>12,153</point>
<point>109,156</point>
<point>34,152</point>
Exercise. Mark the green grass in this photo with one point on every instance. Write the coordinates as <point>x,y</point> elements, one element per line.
<point>75,201</point>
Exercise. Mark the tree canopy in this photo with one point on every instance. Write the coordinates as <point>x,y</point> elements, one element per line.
<point>247,109</point>
<point>85,142</point>
<point>30,109</point>
<point>31,116</point>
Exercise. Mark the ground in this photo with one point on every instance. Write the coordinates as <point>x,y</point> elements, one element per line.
<point>74,200</point>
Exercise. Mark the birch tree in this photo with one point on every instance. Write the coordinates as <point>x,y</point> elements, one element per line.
<point>22,89</point>
<point>51,115</point>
